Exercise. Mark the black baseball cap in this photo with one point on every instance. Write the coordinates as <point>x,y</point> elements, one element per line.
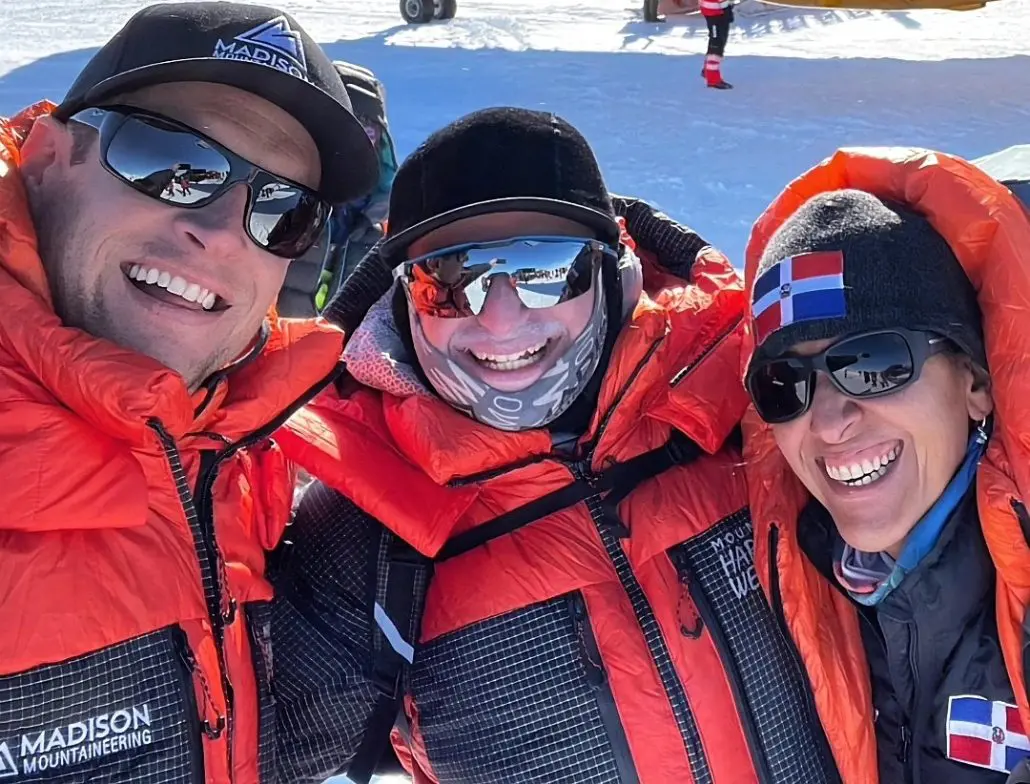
<point>255,48</point>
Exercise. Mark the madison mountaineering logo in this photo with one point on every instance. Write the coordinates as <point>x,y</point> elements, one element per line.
<point>7,766</point>
<point>51,748</point>
<point>273,43</point>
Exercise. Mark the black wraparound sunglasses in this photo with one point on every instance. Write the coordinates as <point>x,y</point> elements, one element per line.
<point>180,166</point>
<point>861,366</point>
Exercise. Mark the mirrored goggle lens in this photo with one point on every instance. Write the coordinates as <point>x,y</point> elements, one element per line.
<point>454,282</point>
<point>284,218</point>
<point>780,390</point>
<point>870,364</point>
<point>167,162</point>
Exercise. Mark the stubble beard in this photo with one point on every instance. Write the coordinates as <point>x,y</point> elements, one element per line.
<point>56,218</point>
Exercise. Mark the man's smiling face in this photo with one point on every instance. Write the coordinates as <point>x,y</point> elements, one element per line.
<point>186,287</point>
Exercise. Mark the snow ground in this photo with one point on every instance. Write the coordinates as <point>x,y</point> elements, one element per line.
<point>808,81</point>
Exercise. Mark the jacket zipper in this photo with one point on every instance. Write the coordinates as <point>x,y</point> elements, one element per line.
<point>206,547</point>
<point>227,614</point>
<point>643,363</point>
<point>829,763</point>
<point>648,623</point>
<point>705,352</point>
<point>1019,508</point>
<point>205,542</point>
<point>906,747</point>
<point>722,647</point>
<point>904,733</point>
<point>597,678</point>
<point>913,738</point>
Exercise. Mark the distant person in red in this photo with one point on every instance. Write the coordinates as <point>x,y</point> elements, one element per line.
<point>718,15</point>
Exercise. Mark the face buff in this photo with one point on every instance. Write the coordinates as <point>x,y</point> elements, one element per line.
<point>538,404</point>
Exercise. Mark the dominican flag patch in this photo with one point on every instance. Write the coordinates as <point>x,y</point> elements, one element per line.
<point>985,733</point>
<point>805,287</point>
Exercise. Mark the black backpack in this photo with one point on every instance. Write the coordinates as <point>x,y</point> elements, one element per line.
<point>322,267</point>
<point>366,93</point>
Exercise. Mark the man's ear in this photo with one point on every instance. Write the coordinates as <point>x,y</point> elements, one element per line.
<point>45,151</point>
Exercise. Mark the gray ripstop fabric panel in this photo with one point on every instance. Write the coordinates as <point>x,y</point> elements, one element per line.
<point>322,637</point>
<point>656,644</point>
<point>259,627</point>
<point>507,700</point>
<point>721,561</point>
<point>124,714</point>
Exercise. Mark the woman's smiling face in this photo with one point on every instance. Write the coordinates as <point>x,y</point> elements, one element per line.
<point>879,464</point>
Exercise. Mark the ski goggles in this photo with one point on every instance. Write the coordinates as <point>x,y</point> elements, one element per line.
<point>179,166</point>
<point>453,282</point>
<point>862,366</point>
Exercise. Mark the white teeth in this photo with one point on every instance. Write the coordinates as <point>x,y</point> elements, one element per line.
<point>191,292</point>
<point>507,357</point>
<point>864,473</point>
<point>510,361</point>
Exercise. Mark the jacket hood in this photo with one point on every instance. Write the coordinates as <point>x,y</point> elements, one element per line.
<point>989,233</point>
<point>71,382</point>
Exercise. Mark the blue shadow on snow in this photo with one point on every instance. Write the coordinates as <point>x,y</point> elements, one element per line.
<point>659,133</point>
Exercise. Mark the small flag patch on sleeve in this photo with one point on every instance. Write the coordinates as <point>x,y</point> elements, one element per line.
<point>806,287</point>
<point>987,734</point>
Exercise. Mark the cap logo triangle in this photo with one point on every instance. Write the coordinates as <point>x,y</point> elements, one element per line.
<point>273,43</point>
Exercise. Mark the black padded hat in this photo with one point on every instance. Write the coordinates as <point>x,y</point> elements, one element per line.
<point>498,160</point>
<point>898,271</point>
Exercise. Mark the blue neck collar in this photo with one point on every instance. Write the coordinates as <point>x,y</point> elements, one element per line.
<point>927,532</point>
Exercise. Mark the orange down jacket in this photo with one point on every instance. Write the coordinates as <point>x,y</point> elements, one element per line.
<point>131,588</point>
<point>586,646</point>
<point>989,232</point>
